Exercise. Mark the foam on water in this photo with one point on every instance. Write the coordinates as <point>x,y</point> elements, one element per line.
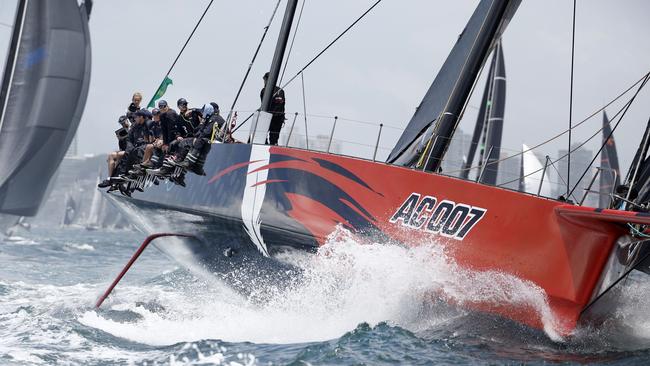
<point>344,285</point>
<point>172,317</point>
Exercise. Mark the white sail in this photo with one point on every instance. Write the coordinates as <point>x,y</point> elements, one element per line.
<point>93,216</point>
<point>533,170</point>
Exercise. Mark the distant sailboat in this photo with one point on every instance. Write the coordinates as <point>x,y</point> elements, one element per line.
<point>93,222</point>
<point>489,124</point>
<point>534,174</point>
<point>610,175</point>
<point>70,212</point>
<point>42,97</point>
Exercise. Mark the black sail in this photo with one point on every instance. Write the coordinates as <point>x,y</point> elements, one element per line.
<point>451,87</point>
<point>610,174</point>
<point>494,122</point>
<point>480,122</point>
<point>489,124</point>
<point>44,90</point>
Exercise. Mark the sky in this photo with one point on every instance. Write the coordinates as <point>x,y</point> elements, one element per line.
<point>377,73</point>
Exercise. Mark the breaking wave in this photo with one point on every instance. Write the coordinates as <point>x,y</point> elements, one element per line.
<point>344,285</point>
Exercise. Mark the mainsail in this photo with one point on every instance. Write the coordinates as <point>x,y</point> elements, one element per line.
<point>489,124</point>
<point>43,94</point>
<point>451,88</point>
<point>534,174</point>
<point>610,172</point>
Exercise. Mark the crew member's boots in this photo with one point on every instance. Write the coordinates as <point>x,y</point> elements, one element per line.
<point>193,163</point>
<point>104,184</point>
<point>180,179</point>
<point>167,167</point>
<point>198,167</point>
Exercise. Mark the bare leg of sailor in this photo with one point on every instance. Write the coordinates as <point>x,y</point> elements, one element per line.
<point>113,159</point>
<point>148,152</point>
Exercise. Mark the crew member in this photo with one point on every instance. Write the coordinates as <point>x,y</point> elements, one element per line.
<point>136,99</point>
<point>137,139</point>
<point>168,121</point>
<point>115,156</point>
<point>153,150</point>
<point>188,120</point>
<point>276,108</point>
<point>195,158</point>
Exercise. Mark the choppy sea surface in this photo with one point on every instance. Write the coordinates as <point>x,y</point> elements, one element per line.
<point>355,305</point>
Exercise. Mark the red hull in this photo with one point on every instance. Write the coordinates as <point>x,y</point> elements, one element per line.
<point>519,234</point>
<point>283,195</point>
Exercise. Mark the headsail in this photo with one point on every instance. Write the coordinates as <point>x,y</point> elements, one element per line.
<point>637,180</point>
<point>533,174</point>
<point>43,94</point>
<point>489,124</point>
<point>451,87</point>
<point>610,172</point>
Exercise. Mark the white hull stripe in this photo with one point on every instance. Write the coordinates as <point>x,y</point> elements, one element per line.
<point>254,196</point>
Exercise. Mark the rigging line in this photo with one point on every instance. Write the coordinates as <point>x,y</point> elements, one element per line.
<point>304,107</point>
<point>566,131</point>
<point>293,39</point>
<point>621,278</point>
<point>320,53</point>
<point>560,134</point>
<point>187,41</point>
<point>574,150</point>
<point>573,44</point>
<point>559,176</point>
<point>250,66</point>
<point>602,146</point>
<point>332,43</point>
<point>582,144</point>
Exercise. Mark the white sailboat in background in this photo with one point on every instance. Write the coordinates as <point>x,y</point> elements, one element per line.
<point>93,223</point>
<point>533,173</point>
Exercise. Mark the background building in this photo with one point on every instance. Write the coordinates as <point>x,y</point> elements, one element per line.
<point>580,160</point>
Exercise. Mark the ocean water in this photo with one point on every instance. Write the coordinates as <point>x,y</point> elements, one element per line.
<point>357,304</point>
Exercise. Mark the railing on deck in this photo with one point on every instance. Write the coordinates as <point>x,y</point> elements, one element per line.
<point>349,137</point>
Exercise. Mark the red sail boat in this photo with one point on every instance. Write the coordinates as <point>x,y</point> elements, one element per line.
<point>259,201</point>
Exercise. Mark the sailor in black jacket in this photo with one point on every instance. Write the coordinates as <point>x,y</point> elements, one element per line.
<point>277,109</point>
<point>194,159</point>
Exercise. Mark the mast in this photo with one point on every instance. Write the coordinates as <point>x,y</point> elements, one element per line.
<point>280,47</point>
<point>428,135</point>
<point>480,122</point>
<point>450,116</point>
<point>12,57</point>
<point>495,119</point>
